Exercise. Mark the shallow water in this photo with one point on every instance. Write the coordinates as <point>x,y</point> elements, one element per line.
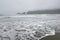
<point>29,27</point>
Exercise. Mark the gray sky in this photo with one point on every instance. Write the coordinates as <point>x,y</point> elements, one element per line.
<point>14,6</point>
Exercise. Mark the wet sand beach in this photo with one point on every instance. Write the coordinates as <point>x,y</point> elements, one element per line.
<point>54,37</point>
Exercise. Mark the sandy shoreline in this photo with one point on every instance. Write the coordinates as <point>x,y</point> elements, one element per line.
<point>54,37</point>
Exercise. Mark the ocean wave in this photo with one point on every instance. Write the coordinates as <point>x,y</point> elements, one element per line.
<point>25,30</point>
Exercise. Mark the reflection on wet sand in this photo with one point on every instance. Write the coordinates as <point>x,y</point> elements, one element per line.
<point>55,37</point>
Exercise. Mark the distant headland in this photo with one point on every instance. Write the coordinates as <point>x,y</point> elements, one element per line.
<point>53,11</point>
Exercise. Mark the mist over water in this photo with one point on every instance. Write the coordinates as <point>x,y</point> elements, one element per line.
<point>17,24</point>
<point>11,7</point>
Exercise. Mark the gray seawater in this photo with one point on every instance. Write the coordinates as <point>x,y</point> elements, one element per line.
<point>29,27</point>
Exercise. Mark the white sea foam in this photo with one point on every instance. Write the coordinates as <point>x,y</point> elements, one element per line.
<point>24,29</point>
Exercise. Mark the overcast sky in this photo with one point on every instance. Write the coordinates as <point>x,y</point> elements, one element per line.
<point>14,6</point>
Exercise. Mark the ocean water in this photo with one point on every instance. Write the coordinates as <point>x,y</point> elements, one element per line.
<point>29,27</point>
